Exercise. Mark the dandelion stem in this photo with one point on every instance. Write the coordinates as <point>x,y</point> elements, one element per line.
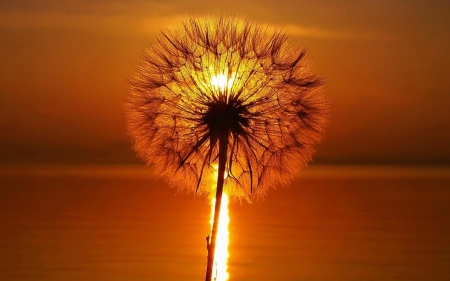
<point>223,145</point>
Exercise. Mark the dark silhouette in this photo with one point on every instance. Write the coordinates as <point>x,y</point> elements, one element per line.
<point>225,93</point>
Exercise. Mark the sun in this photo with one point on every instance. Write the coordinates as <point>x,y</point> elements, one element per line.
<point>222,82</point>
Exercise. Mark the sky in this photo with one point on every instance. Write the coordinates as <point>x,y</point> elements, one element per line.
<point>65,65</point>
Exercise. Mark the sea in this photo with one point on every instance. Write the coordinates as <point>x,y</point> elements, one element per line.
<point>117,223</point>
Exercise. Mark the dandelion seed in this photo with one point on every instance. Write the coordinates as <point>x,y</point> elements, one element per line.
<point>225,93</point>
<point>225,76</point>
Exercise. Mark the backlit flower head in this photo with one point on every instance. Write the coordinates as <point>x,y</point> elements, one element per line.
<point>222,77</point>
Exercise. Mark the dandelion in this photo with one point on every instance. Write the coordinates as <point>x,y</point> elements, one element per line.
<point>220,92</point>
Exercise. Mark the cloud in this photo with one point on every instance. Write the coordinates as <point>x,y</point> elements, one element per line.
<point>322,33</point>
<point>315,32</point>
<point>133,22</point>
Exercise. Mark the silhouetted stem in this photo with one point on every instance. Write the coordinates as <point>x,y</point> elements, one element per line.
<point>223,145</point>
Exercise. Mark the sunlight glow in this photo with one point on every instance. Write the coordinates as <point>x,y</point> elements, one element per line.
<point>221,81</point>
<point>220,269</point>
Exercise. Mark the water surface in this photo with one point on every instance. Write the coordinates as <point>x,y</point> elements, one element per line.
<point>120,223</point>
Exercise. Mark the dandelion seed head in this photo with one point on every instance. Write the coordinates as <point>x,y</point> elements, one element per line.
<point>223,77</point>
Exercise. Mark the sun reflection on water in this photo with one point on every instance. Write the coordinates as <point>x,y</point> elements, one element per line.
<point>220,271</point>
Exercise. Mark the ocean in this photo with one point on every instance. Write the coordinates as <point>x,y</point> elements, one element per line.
<point>332,223</point>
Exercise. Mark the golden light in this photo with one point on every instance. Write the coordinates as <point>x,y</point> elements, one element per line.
<point>220,82</point>
<point>220,269</point>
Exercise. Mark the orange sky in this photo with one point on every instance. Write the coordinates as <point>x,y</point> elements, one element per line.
<point>64,67</point>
